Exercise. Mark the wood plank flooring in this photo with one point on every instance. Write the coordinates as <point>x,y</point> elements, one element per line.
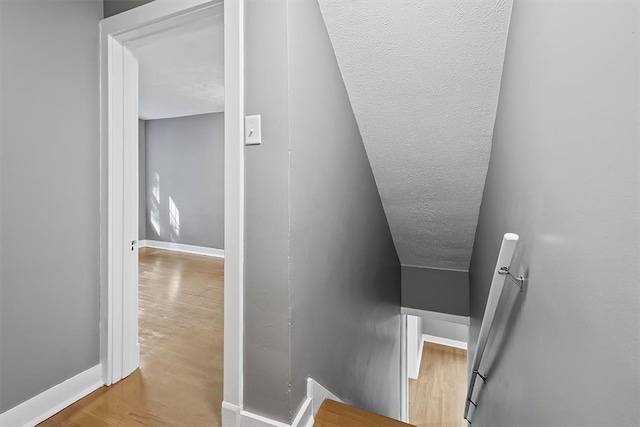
<point>437,397</point>
<point>335,414</point>
<point>179,382</point>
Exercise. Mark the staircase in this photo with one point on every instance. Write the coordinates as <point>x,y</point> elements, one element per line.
<point>335,414</point>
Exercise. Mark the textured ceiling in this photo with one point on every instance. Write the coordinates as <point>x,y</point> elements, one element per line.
<point>423,78</point>
<point>183,75</point>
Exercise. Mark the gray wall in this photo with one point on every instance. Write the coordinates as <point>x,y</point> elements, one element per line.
<point>432,289</point>
<point>345,273</point>
<point>185,162</point>
<point>142,181</point>
<point>49,174</point>
<point>322,279</point>
<point>564,175</point>
<point>113,7</point>
<point>267,338</point>
<point>445,329</point>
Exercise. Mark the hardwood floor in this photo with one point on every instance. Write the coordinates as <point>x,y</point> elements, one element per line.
<point>179,382</point>
<point>335,414</point>
<point>437,397</point>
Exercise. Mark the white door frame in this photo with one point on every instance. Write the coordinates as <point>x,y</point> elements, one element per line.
<point>404,376</point>
<point>119,350</point>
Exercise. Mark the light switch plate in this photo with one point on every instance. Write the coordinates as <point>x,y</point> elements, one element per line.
<point>252,130</point>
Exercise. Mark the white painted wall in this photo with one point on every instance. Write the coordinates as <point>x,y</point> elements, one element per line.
<point>423,79</point>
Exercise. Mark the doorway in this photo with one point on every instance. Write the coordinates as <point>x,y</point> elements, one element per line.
<point>181,222</point>
<point>121,37</point>
<point>436,367</point>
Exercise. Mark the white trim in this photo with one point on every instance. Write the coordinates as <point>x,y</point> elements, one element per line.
<point>404,376</point>
<point>231,414</point>
<point>318,394</point>
<point>414,344</point>
<point>52,401</point>
<point>233,202</point>
<point>249,419</point>
<point>119,36</point>
<point>130,217</point>
<point>150,19</point>
<point>454,318</point>
<point>302,419</point>
<point>305,413</point>
<point>420,351</point>
<point>181,247</point>
<point>443,341</point>
<point>235,416</point>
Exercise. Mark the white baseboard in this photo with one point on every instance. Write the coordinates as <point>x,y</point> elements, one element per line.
<point>318,394</point>
<point>52,401</point>
<point>404,368</point>
<point>444,341</point>
<point>305,414</point>
<point>235,416</point>
<point>230,414</point>
<point>180,247</point>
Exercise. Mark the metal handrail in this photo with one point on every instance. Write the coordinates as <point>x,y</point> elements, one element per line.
<point>500,276</point>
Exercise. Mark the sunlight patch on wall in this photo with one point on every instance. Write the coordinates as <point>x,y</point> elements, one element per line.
<point>174,219</point>
<point>154,214</point>
<point>155,189</point>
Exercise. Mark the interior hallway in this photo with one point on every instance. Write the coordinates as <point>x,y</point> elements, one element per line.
<point>179,382</point>
<point>436,398</point>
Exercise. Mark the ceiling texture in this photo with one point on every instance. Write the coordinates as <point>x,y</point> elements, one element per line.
<point>423,78</point>
<point>183,74</point>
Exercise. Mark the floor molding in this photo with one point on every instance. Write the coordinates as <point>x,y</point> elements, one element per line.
<point>305,414</point>
<point>318,394</point>
<point>230,414</point>
<point>233,415</point>
<point>444,341</point>
<point>52,401</point>
<point>181,247</point>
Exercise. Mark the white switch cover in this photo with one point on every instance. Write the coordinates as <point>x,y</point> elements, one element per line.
<point>252,130</point>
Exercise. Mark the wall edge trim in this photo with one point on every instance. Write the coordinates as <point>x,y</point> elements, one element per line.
<point>318,394</point>
<point>444,341</point>
<point>53,400</point>
<point>420,351</point>
<point>236,416</point>
<point>181,247</point>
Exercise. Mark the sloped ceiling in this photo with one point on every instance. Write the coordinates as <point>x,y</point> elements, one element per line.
<point>423,78</point>
<point>183,75</point>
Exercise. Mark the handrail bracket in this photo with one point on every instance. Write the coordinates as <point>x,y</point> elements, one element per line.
<point>518,281</point>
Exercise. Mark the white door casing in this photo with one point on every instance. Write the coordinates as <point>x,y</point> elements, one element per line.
<point>119,37</point>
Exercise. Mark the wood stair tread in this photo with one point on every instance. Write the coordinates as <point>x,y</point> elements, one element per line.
<point>336,414</point>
